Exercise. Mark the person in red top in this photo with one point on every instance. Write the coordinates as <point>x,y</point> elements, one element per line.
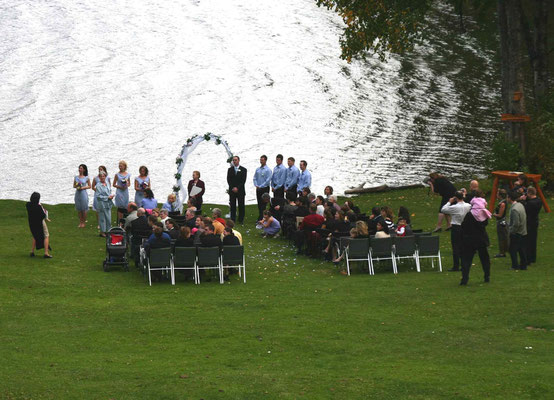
<point>310,223</point>
<point>216,216</point>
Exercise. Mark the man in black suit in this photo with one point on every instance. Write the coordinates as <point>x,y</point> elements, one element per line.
<point>139,229</point>
<point>236,177</point>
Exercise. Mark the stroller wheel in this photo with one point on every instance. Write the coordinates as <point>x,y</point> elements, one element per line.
<point>105,266</point>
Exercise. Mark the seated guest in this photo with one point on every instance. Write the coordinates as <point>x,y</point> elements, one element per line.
<point>172,228</point>
<point>329,223</point>
<point>231,224</point>
<point>333,201</point>
<point>185,238</point>
<point>149,202</point>
<point>306,192</point>
<point>138,228</point>
<point>270,225</point>
<point>290,207</point>
<point>164,217</point>
<point>404,213</point>
<point>303,207</point>
<point>361,229</point>
<point>311,197</point>
<point>353,235</point>
<point>198,229</point>
<point>402,228</point>
<point>190,218</point>
<point>374,218</point>
<point>352,207</point>
<point>152,220</point>
<point>155,212</point>
<point>218,226</point>
<point>319,201</point>
<point>229,239</point>
<point>171,203</point>
<point>351,218</point>
<point>328,191</point>
<point>209,238</point>
<point>386,213</point>
<point>382,230</point>
<point>310,223</point>
<point>216,216</point>
<point>132,210</point>
<point>158,239</point>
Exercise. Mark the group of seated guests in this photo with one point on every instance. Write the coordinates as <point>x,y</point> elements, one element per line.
<point>160,230</point>
<point>325,221</point>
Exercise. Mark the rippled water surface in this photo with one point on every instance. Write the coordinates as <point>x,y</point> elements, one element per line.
<point>98,81</point>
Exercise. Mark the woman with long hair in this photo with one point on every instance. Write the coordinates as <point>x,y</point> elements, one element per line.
<point>121,182</point>
<point>142,182</point>
<point>149,202</point>
<point>37,217</point>
<point>81,183</point>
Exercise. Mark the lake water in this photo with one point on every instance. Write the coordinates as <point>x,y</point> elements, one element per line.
<point>98,81</point>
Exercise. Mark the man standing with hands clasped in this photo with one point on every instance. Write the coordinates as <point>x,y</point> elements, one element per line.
<point>305,178</point>
<point>262,178</point>
<point>291,181</point>
<point>236,177</point>
<point>278,178</point>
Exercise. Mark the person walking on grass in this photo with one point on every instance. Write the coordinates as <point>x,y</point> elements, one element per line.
<point>457,208</point>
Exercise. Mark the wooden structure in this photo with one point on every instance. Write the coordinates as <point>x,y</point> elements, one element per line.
<point>511,177</point>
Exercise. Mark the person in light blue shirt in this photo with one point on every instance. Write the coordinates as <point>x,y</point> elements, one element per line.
<point>305,179</point>
<point>278,178</point>
<point>291,181</point>
<point>262,179</point>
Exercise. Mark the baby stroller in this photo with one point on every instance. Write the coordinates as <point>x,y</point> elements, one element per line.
<point>116,249</point>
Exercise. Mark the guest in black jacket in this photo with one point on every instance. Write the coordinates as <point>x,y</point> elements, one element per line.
<point>236,177</point>
<point>209,238</point>
<point>229,239</point>
<point>532,206</point>
<point>37,216</point>
<point>474,239</point>
<point>185,238</point>
<point>442,186</point>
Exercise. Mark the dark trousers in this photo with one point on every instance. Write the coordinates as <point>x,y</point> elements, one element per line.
<point>517,245</point>
<point>233,199</point>
<point>261,204</point>
<point>468,251</point>
<point>532,231</point>
<point>456,239</point>
<point>292,191</point>
<point>503,237</point>
<point>279,193</point>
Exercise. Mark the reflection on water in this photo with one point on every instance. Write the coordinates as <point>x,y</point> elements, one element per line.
<point>96,82</point>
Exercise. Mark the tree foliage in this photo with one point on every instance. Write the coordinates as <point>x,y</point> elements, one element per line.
<point>378,26</point>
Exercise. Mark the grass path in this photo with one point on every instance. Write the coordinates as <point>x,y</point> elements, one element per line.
<point>296,329</point>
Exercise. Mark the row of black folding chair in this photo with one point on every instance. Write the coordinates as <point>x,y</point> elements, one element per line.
<point>394,249</point>
<point>195,259</point>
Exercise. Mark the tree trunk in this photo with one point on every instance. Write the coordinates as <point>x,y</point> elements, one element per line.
<point>511,37</point>
<point>540,67</point>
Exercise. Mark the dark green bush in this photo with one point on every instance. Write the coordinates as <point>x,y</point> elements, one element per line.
<point>504,155</point>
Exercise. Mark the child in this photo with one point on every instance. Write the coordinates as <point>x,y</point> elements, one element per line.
<point>401,228</point>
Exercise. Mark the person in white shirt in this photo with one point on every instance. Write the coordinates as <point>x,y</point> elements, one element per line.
<point>457,209</point>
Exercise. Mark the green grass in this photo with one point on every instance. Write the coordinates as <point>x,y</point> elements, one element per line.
<point>296,329</point>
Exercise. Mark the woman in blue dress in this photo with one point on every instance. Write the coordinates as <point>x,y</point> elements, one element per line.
<point>270,225</point>
<point>81,183</point>
<point>104,203</point>
<point>95,181</point>
<point>121,182</point>
<point>149,202</point>
<point>142,182</point>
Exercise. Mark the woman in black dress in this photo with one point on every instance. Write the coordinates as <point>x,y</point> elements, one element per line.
<point>196,182</point>
<point>443,187</point>
<point>37,224</point>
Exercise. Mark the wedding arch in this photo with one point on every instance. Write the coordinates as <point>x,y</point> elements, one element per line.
<point>188,148</point>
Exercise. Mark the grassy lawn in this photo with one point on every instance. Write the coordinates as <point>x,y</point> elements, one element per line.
<point>296,329</point>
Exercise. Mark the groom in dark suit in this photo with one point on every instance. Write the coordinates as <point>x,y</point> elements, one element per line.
<point>236,177</point>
